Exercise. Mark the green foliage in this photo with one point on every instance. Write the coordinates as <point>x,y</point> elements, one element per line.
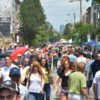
<point>97,31</point>
<point>95,2</point>
<point>79,32</point>
<point>98,1</point>
<point>32,18</point>
<point>34,29</point>
<point>83,31</point>
<point>68,31</point>
<point>45,34</point>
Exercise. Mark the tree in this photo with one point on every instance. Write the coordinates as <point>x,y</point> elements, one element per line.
<point>32,18</point>
<point>67,31</point>
<point>82,30</point>
<point>79,32</point>
<point>46,34</point>
<point>95,1</point>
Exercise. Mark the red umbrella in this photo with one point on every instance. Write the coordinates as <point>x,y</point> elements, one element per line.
<point>20,50</point>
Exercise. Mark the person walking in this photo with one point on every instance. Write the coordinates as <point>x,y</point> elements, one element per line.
<point>65,71</point>
<point>81,58</point>
<point>89,82</point>
<point>46,71</point>
<point>15,76</point>
<point>95,66</point>
<point>96,85</point>
<point>77,84</point>
<point>63,59</point>
<point>35,82</point>
<point>55,60</point>
<point>6,69</point>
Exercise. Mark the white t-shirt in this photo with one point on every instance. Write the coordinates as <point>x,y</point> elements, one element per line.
<point>87,69</point>
<point>81,59</point>
<point>96,80</point>
<point>5,72</point>
<point>35,84</point>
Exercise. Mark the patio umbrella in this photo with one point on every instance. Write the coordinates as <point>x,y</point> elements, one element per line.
<point>20,50</point>
<point>62,40</point>
<point>93,45</point>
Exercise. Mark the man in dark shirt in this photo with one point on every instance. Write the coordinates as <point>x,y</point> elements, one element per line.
<point>95,66</point>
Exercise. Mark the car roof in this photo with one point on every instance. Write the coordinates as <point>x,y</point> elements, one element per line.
<point>4,54</point>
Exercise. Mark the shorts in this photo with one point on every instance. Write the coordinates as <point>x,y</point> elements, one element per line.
<point>73,96</point>
<point>64,91</point>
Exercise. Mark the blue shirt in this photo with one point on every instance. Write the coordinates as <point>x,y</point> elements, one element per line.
<point>72,58</point>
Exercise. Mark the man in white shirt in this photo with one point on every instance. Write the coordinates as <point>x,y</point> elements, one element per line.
<point>89,83</point>
<point>96,85</point>
<point>6,69</point>
<point>81,58</point>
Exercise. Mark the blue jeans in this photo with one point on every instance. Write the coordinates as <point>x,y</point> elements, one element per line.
<point>36,96</point>
<point>47,91</point>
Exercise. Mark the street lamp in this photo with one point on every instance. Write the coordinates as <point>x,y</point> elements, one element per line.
<point>80,8</point>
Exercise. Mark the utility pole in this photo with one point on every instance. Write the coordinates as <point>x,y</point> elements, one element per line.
<point>74,19</point>
<point>96,24</point>
<point>96,38</point>
<point>12,18</point>
<point>80,10</point>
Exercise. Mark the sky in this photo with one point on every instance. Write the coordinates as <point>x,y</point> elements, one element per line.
<point>57,11</point>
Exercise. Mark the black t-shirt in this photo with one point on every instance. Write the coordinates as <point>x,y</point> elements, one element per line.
<point>59,54</point>
<point>64,79</point>
<point>95,66</point>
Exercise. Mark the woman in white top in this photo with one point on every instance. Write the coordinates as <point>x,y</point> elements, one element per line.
<point>35,82</point>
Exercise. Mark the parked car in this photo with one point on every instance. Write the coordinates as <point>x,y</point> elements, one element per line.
<point>9,51</point>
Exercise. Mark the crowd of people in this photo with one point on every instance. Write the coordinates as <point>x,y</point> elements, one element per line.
<point>76,72</point>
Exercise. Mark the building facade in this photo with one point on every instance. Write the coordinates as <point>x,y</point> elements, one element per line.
<point>87,15</point>
<point>9,22</point>
<point>62,27</point>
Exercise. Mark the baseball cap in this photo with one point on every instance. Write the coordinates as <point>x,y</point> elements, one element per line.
<point>14,71</point>
<point>9,85</point>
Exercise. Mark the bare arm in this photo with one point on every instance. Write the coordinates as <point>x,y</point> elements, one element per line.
<point>84,91</point>
<point>27,84</point>
<point>57,77</point>
<point>85,73</point>
<point>89,76</point>
<point>41,90</point>
<point>51,75</point>
<point>58,88</point>
<point>95,89</point>
<point>75,64</point>
<point>87,60</point>
<point>42,83</point>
